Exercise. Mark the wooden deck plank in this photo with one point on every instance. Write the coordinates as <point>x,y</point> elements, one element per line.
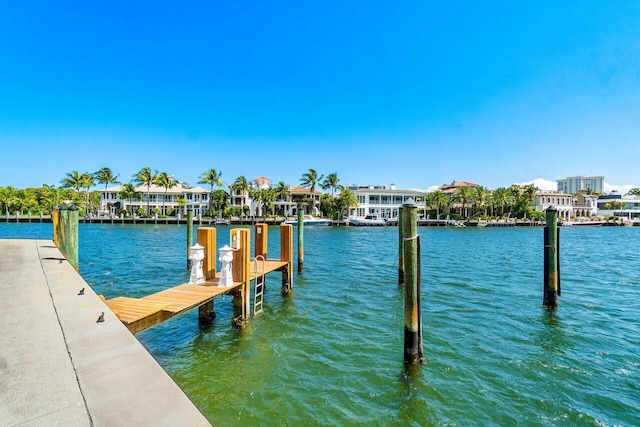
<point>130,310</point>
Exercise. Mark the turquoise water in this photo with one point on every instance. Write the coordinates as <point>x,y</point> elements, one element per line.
<point>331,353</point>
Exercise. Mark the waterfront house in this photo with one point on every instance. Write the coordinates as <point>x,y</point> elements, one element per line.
<point>561,201</point>
<point>383,202</point>
<point>618,206</point>
<point>169,201</point>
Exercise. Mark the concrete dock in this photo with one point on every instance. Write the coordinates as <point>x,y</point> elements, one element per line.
<point>59,366</point>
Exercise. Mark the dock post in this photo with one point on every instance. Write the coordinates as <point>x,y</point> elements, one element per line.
<point>71,231</point>
<point>400,249</point>
<point>240,269</point>
<point>62,232</point>
<point>206,314</point>
<point>300,240</point>
<point>413,353</point>
<point>189,235</point>
<point>551,259</point>
<point>206,236</point>
<point>286,254</point>
<point>261,236</point>
<point>55,217</point>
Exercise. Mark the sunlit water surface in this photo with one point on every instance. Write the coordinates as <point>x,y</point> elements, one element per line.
<point>331,352</point>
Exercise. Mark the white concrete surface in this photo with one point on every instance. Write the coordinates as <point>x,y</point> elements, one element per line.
<point>59,367</point>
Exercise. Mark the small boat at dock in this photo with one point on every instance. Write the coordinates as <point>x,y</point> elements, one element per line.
<point>310,220</point>
<point>369,220</point>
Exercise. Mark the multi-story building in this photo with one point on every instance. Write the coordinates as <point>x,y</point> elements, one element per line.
<point>616,205</point>
<point>176,199</point>
<point>573,184</point>
<point>561,201</point>
<point>383,202</point>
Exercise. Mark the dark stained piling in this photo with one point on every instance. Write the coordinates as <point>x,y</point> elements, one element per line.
<point>189,235</point>
<point>413,352</point>
<point>400,249</point>
<point>551,259</point>
<point>300,240</point>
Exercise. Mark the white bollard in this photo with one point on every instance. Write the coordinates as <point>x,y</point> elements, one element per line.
<point>196,255</point>
<point>226,257</point>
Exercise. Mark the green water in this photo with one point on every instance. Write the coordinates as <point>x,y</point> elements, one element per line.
<point>331,353</point>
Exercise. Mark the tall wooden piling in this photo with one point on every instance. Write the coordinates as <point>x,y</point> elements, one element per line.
<point>71,231</point>
<point>286,254</point>
<point>400,249</point>
<point>55,218</point>
<point>413,352</point>
<point>261,236</point>
<point>551,259</point>
<point>62,231</point>
<point>206,236</point>
<point>189,235</point>
<point>300,240</point>
<point>240,269</point>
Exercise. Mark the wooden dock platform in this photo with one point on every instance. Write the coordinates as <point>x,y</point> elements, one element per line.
<point>138,314</point>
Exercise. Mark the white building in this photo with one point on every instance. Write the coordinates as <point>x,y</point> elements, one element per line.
<point>615,205</point>
<point>561,201</point>
<point>173,200</point>
<point>573,184</point>
<point>383,202</point>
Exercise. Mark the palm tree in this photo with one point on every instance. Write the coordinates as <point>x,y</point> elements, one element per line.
<point>219,199</point>
<point>145,177</point>
<point>634,192</point>
<point>165,180</point>
<point>346,200</point>
<point>282,193</point>
<point>240,186</point>
<point>463,195</point>
<point>438,200</point>
<point>7,198</point>
<point>331,181</point>
<point>310,180</point>
<point>74,180</point>
<point>502,197</point>
<point>480,198</point>
<point>211,177</point>
<point>129,192</point>
<point>24,200</point>
<point>106,177</point>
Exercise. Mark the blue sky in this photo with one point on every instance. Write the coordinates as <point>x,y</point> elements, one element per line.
<point>411,93</point>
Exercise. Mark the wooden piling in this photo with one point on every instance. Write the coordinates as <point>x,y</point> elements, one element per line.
<point>71,231</point>
<point>413,352</point>
<point>206,236</point>
<point>206,313</point>
<point>400,249</point>
<point>189,235</point>
<point>300,240</point>
<point>551,259</point>
<point>286,254</point>
<point>240,269</point>
<point>55,217</point>
<point>62,232</point>
<point>261,236</point>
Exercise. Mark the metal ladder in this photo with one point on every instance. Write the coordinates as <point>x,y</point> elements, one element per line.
<point>258,287</point>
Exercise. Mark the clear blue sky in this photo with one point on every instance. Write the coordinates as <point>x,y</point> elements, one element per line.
<point>412,93</point>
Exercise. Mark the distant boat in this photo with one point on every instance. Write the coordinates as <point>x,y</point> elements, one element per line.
<point>566,224</point>
<point>594,223</point>
<point>310,220</point>
<point>222,221</point>
<point>369,220</point>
